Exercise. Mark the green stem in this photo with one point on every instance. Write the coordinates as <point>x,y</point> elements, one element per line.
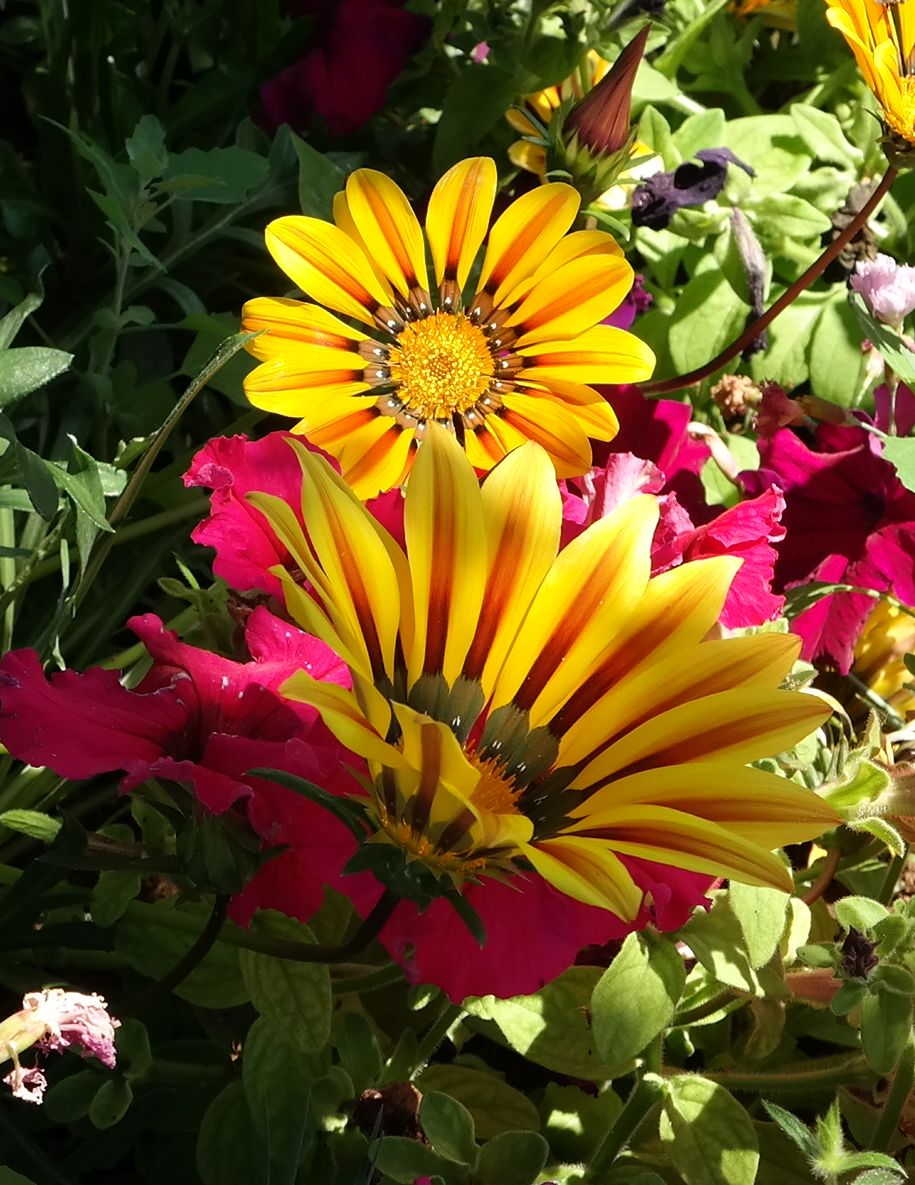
<point>893,872</point>
<point>373,980</point>
<point>435,1035</point>
<point>192,958</point>
<point>752,332</point>
<point>903,1080</point>
<point>7,575</point>
<point>799,1076</point>
<point>645,1095</point>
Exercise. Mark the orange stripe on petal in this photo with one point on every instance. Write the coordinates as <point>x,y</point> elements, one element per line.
<point>293,322</point>
<point>447,551</point>
<point>327,264</point>
<point>586,870</point>
<point>525,234</point>
<point>544,421</point>
<point>573,299</point>
<point>388,228</point>
<point>374,457</point>
<point>458,217</point>
<point>522,514</point>
<point>603,354</point>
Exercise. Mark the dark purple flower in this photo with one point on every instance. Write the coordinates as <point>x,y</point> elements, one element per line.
<point>656,201</point>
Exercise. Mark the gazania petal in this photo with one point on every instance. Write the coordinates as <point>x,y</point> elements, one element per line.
<point>600,355</point>
<point>290,323</point>
<point>586,870</point>
<point>375,456</point>
<point>341,712</point>
<point>524,235</point>
<point>389,229</point>
<point>328,265</point>
<point>549,424</point>
<point>458,217</point>
<point>447,551</point>
<point>572,299</point>
<point>741,725</point>
<point>683,841</point>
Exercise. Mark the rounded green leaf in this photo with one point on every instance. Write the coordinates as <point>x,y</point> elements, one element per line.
<point>276,1078</point>
<point>708,1135</point>
<point>27,368</point>
<point>110,1103</point>
<point>886,1022</point>
<point>405,1160</point>
<point>294,996</point>
<point>494,1105</point>
<point>514,1158</point>
<point>635,998</point>
<point>448,1126</point>
<point>761,914</point>
<point>229,1149</point>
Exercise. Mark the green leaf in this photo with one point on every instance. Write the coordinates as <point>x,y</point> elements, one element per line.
<point>405,1160</point>
<point>319,180</point>
<point>707,1134</point>
<point>493,1105</point>
<point>900,451</point>
<point>277,1080</point>
<point>34,824</point>
<point>513,1158</point>
<point>70,1099</point>
<point>111,895</point>
<point>229,1148</point>
<point>770,145</point>
<point>873,1177</point>
<point>226,175</point>
<point>153,947</point>
<point>358,1050</point>
<point>892,345</point>
<point>294,996</point>
<point>8,1177</point>
<point>134,1053</point>
<point>761,913</point>
<point>550,1027</point>
<point>880,829</point>
<point>709,315</point>
<point>796,1131</point>
<point>26,368</point>
<point>448,1126</point>
<point>886,1023</point>
<point>717,941</point>
<point>823,135</point>
<point>836,361</point>
<point>786,215</point>
<point>635,998</point>
<point>146,149</point>
<point>575,1122</point>
<point>859,913</point>
<point>109,1106</point>
<point>477,98</point>
<point>12,322</point>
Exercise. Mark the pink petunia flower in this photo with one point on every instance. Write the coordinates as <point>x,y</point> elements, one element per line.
<point>204,721</point>
<point>848,520</point>
<point>246,546</point>
<point>52,1021</point>
<point>748,530</point>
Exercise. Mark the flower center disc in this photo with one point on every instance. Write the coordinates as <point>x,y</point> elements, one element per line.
<point>441,366</point>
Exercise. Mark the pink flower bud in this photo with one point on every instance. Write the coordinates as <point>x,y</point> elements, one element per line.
<point>887,288</point>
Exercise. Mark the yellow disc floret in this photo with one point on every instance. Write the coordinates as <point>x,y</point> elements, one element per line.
<point>440,366</point>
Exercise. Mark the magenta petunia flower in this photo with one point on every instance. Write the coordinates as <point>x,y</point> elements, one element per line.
<point>359,48</point>
<point>848,520</point>
<point>204,721</point>
<point>246,545</point>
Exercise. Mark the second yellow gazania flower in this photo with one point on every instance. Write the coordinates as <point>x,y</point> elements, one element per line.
<point>882,38</point>
<point>527,710</point>
<point>510,362</point>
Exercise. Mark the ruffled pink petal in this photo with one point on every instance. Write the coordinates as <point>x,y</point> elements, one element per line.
<point>903,409</point>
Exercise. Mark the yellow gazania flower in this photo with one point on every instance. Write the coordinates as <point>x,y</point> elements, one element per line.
<point>526,710</point>
<point>888,635</point>
<point>882,38</point>
<point>508,365</point>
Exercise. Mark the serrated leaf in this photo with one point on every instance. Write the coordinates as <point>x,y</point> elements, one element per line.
<point>635,998</point>
<point>26,368</point>
<point>708,1135</point>
<point>34,824</point>
<point>295,996</point>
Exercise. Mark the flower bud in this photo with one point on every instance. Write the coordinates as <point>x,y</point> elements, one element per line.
<point>601,118</point>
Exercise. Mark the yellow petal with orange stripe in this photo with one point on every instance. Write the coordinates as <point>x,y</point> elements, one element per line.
<point>524,235</point>
<point>588,871</point>
<point>446,546</point>
<point>548,424</point>
<point>603,354</point>
<point>388,227</point>
<point>573,299</point>
<point>327,265</point>
<point>374,456</point>
<point>458,217</point>
<point>292,323</point>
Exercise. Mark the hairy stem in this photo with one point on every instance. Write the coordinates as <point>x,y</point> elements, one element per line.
<point>752,332</point>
